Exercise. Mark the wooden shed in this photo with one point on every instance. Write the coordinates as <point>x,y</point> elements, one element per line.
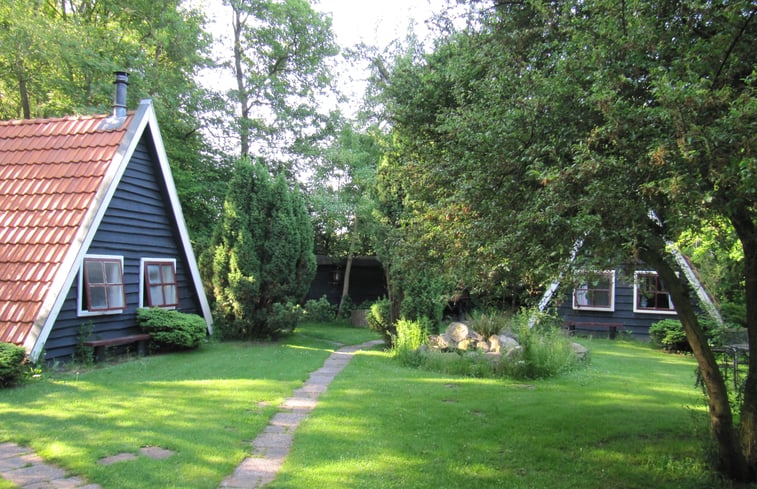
<point>91,229</point>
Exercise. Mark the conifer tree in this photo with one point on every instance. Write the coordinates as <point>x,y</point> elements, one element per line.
<point>261,253</point>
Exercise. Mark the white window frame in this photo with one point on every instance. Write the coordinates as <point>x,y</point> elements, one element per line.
<point>82,298</point>
<point>646,310</point>
<point>610,307</point>
<point>143,301</point>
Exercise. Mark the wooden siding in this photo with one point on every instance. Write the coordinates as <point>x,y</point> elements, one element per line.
<point>138,223</point>
<point>367,281</point>
<point>636,323</point>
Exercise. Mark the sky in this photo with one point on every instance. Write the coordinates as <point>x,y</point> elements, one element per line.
<point>376,22</point>
<point>373,22</point>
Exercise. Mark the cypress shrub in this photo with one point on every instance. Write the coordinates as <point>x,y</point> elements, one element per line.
<point>261,253</point>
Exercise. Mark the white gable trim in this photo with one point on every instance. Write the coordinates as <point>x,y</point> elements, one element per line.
<point>173,197</point>
<point>63,280</point>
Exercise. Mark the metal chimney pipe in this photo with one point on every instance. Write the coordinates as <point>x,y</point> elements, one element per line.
<point>119,99</point>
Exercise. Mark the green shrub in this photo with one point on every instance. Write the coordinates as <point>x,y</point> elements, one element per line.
<point>284,318</point>
<point>12,359</point>
<point>408,339</point>
<point>320,311</point>
<point>379,319</point>
<point>172,330</point>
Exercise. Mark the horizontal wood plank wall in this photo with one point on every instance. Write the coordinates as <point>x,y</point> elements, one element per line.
<point>137,224</point>
<point>636,323</point>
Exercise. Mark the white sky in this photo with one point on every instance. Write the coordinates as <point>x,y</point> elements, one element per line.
<point>376,22</point>
<point>373,22</point>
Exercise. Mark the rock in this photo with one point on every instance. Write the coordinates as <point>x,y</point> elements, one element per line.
<point>457,331</point>
<point>464,344</point>
<point>494,345</point>
<point>493,357</point>
<point>581,351</point>
<point>507,343</point>
<point>482,345</point>
<point>438,342</point>
<point>475,336</point>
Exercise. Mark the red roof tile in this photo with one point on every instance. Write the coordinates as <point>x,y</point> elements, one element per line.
<point>50,171</point>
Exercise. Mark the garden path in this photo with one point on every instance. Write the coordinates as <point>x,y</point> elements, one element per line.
<point>27,470</point>
<point>271,447</point>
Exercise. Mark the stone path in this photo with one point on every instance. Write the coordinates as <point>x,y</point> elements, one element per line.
<point>27,470</point>
<point>271,447</point>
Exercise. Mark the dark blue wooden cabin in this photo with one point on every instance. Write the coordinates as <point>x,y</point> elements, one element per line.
<point>92,230</point>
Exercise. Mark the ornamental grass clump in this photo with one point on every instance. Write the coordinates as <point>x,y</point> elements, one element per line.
<point>408,339</point>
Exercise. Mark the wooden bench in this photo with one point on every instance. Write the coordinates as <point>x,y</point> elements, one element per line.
<point>101,345</point>
<point>612,328</point>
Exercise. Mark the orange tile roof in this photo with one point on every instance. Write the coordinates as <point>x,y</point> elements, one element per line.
<point>50,171</point>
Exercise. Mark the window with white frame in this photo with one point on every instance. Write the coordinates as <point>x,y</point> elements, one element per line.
<point>595,292</point>
<point>159,286</point>
<point>101,285</point>
<point>650,295</point>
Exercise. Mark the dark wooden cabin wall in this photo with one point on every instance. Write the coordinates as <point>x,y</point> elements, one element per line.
<point>138,223</point>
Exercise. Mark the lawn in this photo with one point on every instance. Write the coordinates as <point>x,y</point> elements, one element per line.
<point>205,405</point>
<point>632,419</point>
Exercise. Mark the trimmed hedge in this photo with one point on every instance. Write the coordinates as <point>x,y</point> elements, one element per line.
<point>12,359</point>
<point>171,329</point>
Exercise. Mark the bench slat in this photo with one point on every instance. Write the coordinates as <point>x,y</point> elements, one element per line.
<point>121,340</point>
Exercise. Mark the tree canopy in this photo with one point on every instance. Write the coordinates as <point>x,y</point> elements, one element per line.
<point>620,125</point>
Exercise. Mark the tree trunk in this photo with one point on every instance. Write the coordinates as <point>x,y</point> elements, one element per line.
<point>348,268</point>
<point>747,232</point>
<point>244,97</point>
<point>23,91</point>
<point>731,459</point>
<point>346,285</point>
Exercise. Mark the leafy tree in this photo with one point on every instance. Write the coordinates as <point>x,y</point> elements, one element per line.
<point>619,124</point>
<point>261,253</point>
<point>280,63</point>
<point>341,191</point>
<point>59,58</point>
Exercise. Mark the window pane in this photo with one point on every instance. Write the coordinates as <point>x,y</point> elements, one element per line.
<point>115,296</point>
<point>97,298</point>
<point>600,298</point>
<point>94,273</point>
<point>168,275</point>
<point>596,292</point>
<point>113,273</point>
<point>170,294</point>
<point>153,274</point>
<point>156,295</point>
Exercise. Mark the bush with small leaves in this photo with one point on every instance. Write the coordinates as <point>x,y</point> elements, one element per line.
<point>320,310</point>
<point>379,320</point>
<point>284,318</point>
<point>172,330</point>
<point>12,359</point>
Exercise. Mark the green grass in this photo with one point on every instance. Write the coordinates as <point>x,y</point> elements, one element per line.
<point>206,405</point>
<point>632,419</point>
